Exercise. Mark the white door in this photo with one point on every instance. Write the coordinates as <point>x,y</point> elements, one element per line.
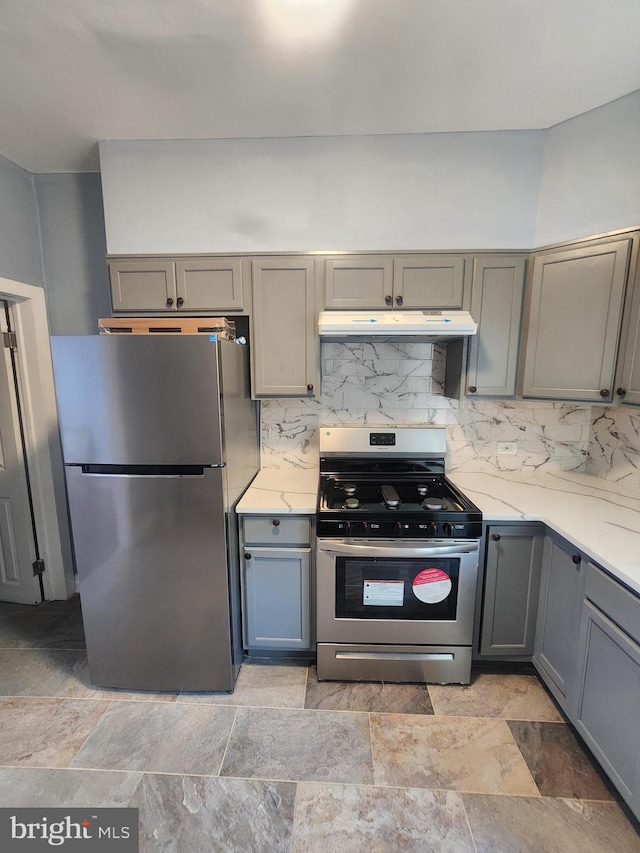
<point>17,544</point>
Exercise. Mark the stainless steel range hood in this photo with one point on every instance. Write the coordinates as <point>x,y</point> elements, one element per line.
<point>400,325</point>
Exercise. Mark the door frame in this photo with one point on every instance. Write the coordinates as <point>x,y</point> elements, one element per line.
<point>28,312</point>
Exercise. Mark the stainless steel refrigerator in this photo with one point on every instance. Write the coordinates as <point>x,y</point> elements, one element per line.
<point>160,441</point>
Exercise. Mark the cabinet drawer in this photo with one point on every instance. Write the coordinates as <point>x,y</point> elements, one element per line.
<point>616,602</point>
<point>277,530</point>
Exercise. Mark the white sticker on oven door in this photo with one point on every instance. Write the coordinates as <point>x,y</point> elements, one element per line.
<point>383,593</point>
<point>431,585</point>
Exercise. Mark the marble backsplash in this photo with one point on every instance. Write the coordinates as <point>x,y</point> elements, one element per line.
<point>393,383</point>
<point>614,446</point>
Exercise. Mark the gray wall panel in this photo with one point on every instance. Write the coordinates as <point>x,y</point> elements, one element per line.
<point>20,258</point>
<point>72,223</point>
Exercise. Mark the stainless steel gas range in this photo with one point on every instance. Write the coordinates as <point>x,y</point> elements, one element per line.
<point>397,558</point>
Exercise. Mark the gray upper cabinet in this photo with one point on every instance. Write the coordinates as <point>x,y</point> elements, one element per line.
<point>496,306</point>
<point>556,641</point>
<point>142,285</point>
<point>359,281</point>
<point>628,382</point>
<point>284,328</point>
<point>428,281</point>
<point>394,282</point>
<point>209,283</point>
<point>193,285</point>
<point>513,561</point>
<point>575,307</point>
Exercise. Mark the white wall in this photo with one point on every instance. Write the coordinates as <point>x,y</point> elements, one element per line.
<point>590,179</point>
<point>422,191</point>
<point>74,246</point>
<point>20,258</point>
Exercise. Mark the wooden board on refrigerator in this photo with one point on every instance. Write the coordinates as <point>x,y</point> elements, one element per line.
<point>167,326</point>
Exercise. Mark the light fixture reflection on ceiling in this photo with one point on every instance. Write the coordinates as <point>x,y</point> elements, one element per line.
<point>303,22</point>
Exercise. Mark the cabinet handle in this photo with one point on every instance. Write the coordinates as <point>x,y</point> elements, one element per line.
<point>577,559</point>
<point>495,537</point>
<point>621,392</point>
<point>180,301</point>
<point>605,392</point>
<point>472,389</point>
<point>169,302</point>
<point>247,556</point>
<point>399,300</point>
<point>276,522</point>
<point>388,300</point>
<point>309,387</point>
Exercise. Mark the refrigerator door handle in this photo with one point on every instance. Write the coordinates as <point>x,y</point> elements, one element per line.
<point>146,471</point>
<point>147,476</point>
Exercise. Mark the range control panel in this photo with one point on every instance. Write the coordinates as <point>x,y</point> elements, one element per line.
<point>382,439</point>
<point>339,529</point>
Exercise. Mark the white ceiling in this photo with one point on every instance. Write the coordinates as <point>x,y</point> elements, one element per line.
<point>76,71</point>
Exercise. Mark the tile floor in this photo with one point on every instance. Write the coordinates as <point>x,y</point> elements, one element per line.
<point>288,763</point>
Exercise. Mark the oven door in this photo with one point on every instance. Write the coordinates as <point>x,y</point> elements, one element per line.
<point>398,592</point>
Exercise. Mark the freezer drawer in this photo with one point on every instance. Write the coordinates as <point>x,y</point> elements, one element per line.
<point>151,553</point>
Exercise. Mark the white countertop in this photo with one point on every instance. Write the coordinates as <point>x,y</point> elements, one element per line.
<point>281,491</point>
<point>595,515</point>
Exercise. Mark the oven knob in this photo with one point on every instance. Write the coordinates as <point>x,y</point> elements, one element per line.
<point>432,528</point>
<point>447,529</point>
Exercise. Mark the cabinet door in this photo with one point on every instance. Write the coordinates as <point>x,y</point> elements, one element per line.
<point>364,281</point>
<point>428,281</point>
<point>142,285</point>
<point>606,713</point>
<point>284,323</point>
<point>209,284</point>
<point>277,609</point>
<point>496,306</point>
<point>628,390</point>
<point>512,586</point>
<point>556,642</point>
<point>576,303</point>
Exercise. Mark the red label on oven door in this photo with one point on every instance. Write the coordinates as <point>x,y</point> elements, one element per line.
<point>431,585</point>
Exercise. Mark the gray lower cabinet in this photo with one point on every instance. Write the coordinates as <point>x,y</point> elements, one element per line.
<point>513,562</point>
<point>285,345</point>
<point>556,643</point>
<point>607,702</point>
<point>276,581</point>
<point>575,307</point>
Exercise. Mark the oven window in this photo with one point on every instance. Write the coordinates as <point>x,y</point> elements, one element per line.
<point>379,588</point>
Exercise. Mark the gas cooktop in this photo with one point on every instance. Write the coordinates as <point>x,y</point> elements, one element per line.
<point>390,484</point>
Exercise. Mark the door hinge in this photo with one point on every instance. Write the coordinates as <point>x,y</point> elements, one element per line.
<point>38,567</point>
<point>9,340</point>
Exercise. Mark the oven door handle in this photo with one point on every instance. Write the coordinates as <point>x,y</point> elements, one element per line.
<point>398,549</point>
